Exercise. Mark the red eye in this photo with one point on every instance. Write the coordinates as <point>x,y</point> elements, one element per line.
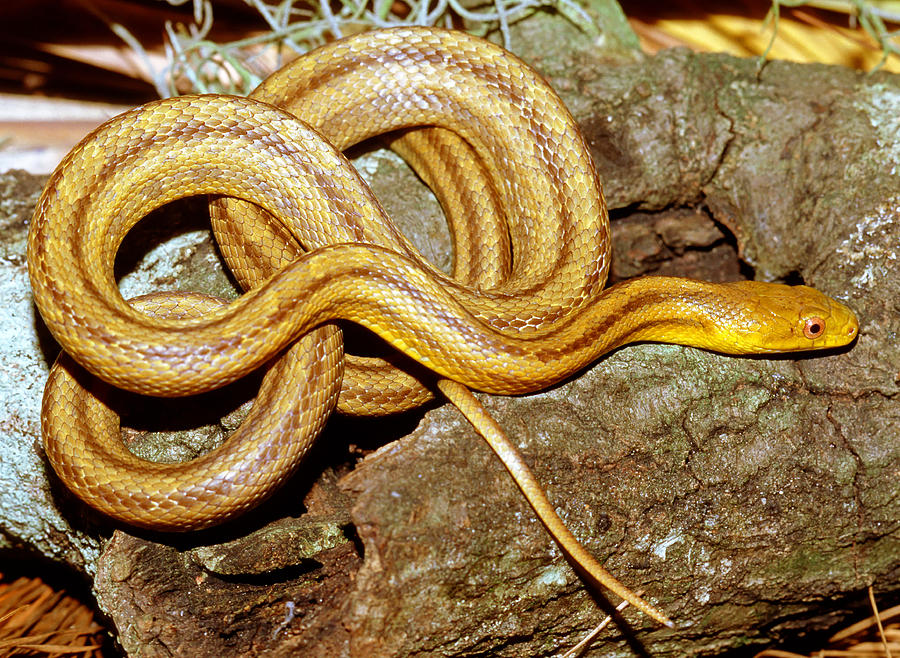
<point>814,327</point>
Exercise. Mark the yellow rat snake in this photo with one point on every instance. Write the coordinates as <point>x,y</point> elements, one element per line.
<point>310,244</point>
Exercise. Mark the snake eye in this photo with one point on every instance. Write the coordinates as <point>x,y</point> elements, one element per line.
<point>814,327</point>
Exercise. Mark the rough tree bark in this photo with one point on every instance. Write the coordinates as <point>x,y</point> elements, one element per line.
<point>748,497</point>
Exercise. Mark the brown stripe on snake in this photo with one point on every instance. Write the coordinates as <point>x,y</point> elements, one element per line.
<point>301,82</point>
<point>444,165</point>
<point>517,310</point>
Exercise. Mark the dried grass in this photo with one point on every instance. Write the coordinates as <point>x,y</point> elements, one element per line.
<point>196,63</point>
<point>859,35</point>
<point>36,620</point>
<point>877,636</point>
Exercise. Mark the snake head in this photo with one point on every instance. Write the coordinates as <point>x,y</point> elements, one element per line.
<point>772,317</point>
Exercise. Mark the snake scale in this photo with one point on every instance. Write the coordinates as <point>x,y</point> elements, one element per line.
<point>303,234</point>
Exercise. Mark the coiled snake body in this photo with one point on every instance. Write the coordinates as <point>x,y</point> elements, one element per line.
<point>527,306</point>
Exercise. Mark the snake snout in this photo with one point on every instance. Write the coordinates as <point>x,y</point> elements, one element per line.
<point>799,318</point>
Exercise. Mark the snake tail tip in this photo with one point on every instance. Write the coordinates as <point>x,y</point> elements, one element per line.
<point>657,616</point>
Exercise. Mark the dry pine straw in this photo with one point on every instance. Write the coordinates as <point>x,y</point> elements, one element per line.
<point>877,636</point>
<point>36,620</point>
